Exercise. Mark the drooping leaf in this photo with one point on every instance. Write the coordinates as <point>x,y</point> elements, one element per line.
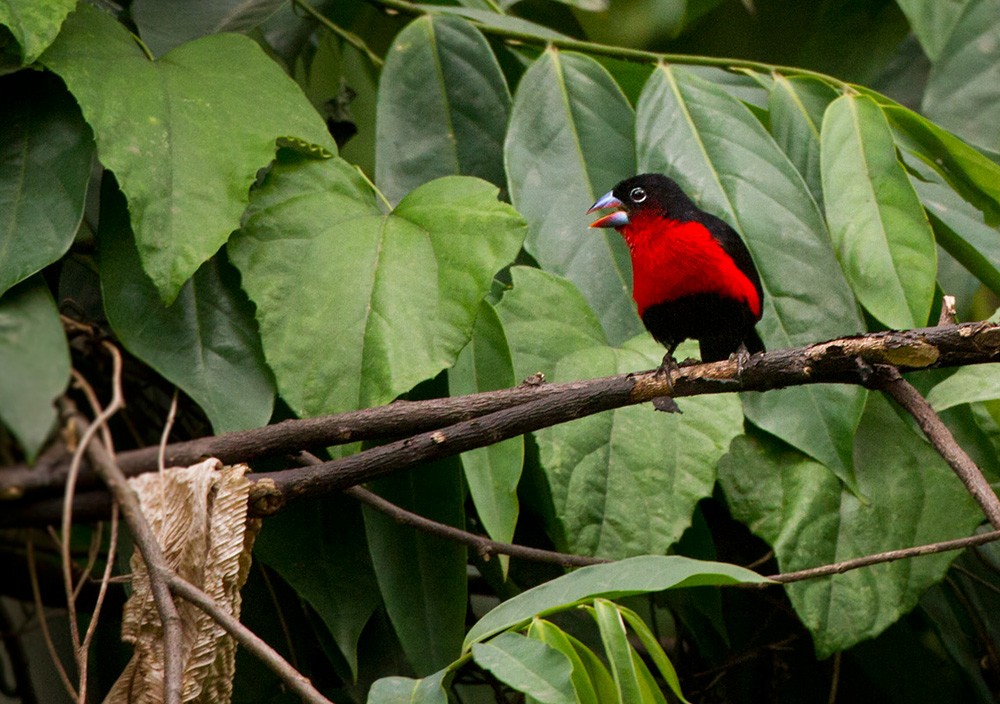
<point>561,154</point>
<point>422,576</point>
<point>34,24</point>
<point>979,382</point>
<point>585,688</point>
<point>160,126</point>
<point>318,547</point>
<point>529,666</point>
<point>932,21</point>
<point>35,368</point>
<point>404,690</point>
<point>442,107</point>
<point>45,159</point>
<point>206,341</point>
<point>492,472</point>
<point>722,156</point>
<point>618,651</point>
<point>625,482</point>
<point>390,299</point>
<point>911,498</point>
<point>545,318</point>
<point>884,242</point>
<point>633,575</point>
<point>963,92</point>
<point>166,25</point>
<point>653,650</point>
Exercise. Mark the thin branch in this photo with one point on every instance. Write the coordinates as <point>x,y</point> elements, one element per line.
<point>50,645</point>
<point>888,556</point>
<point>295,680</point>
<point>943,441</point>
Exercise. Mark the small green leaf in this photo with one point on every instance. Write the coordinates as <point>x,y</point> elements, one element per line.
<point>35,367</point>
<point>492,472</point>
<point>422,576</point>
<point>442,107</point>
<point>545,318</point>
<point>884,242</point>
<point>390,299</point>
<point>34,24</point>
<point>184,135</point>
<point>619,652</point>
<point>911,498</point>
<point>555,637</point>
<point>980,382</point>
<point>562,154</point>
<point>634,575</point>
<point>404,690</point>
<point>206,341</point>
<point>45,159</point>
<point>318,547</point>
<point>529,666</point>
<point>718,151</point>
<point>653,650</point>
<point>616,496</point>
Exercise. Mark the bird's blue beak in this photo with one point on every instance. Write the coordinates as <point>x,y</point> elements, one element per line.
<point>619,218</point>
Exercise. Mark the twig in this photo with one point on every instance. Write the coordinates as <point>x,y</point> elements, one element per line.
<point>148,546</point>
<point>943,441</point>
<point>161,459</point>
<point>295,680</point>
<point>888,556</point>
<point>36,593</point>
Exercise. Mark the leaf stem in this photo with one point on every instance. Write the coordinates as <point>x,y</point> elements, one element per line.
<point>348,36</point>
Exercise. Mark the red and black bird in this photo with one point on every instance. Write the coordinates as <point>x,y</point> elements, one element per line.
<point>692,275</point>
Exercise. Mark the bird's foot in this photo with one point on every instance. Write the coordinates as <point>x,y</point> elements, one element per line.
<point>666,372</point>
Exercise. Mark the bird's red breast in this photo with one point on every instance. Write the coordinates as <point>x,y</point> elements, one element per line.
<point>671,259</point>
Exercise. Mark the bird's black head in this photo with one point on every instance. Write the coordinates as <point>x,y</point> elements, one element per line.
<point>653,193</point>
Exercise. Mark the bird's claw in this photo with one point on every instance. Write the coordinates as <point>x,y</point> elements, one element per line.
<point>666,372</point>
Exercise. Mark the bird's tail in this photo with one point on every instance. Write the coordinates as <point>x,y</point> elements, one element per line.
<point>752,342</point>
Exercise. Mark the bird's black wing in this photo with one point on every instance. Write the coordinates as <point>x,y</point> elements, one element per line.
<point>733,245</point>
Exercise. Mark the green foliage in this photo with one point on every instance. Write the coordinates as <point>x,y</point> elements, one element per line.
<point>167,181</point>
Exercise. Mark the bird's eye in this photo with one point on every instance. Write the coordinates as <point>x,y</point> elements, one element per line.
<point>637,195</point>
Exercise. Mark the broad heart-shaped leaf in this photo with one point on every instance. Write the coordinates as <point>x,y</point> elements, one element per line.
<point>569,142</point>
<point>633,575</point>
<point>722,156</point>
<point>492,472</point>
<point>529,666</point>
<point>356,306</point>
<point>545,318</point>
<point>206,341</point>
<point>884,242</point>
<point>422,576</point>
<point>35,368</point>
<point>45,159</point>
<point>318,546</point>
<point>185,135</point>
<point>932,21</point>
<point>912,498</point>
<point>404,690</point>
<point>979,382</point>
<point>34,24</point>
<point>625,482</point>
<point>796,107</point>
<point>963,91</point>
<point>166,25</point>
<point>442,107</point>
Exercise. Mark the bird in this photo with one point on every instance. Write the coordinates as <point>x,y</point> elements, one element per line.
<point>692,275</point>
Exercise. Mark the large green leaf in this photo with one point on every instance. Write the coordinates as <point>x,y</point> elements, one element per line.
<point>963,92</point>
<point>712,145</point>
<point>492,472</point>
<point>633,575</point>
<point>529,666</point>
<point>45,159</point>
<point>404,690</point>
<point>545,318</point>
<point>318,547</point>
<point>570,141</point>
<point>35,367</point>
<point>625,482</point>
<point>166,25</point>
<point>422,576</point>
<point>185,135</point>
<point>206,341</point>
<point>355,305</point>
<point>911,497</point>
<point>980,382</point>
<point>933,22</point>
<point>442,107</point>
<point>34,24</point>
<point>884,242</point>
